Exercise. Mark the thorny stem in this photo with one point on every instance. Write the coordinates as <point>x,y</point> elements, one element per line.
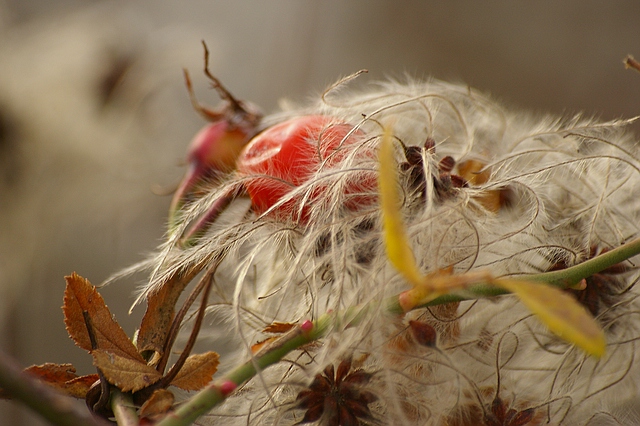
<point>216,393</point>
<point>123,409</point>
<point>55,408</point>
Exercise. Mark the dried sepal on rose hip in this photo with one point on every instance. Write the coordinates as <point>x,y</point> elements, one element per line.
<point>274,162</point>
<point>214,150</point>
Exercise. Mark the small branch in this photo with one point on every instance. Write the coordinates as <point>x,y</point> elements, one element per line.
<point>217,392</point>
<point>186,351</point>
<point>177,322</point>
<point>123,409</point>
<point>43,400</point>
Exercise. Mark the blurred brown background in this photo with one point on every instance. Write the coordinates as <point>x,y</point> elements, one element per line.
<point>94,117</point>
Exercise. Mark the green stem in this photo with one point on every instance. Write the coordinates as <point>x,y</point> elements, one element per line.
<point>563,278</point>
<point>214,394</point>
<point>124,409</point>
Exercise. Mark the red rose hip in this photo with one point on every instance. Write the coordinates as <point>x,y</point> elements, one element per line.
<point>286,155</point>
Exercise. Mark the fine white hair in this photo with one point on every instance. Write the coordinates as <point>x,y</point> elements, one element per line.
<point>553,193</point>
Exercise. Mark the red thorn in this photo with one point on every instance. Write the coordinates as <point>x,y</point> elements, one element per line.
<point>306,326</point>
<point>227,387</point>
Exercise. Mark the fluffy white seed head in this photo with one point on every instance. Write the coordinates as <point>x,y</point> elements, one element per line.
<point>525,194</point>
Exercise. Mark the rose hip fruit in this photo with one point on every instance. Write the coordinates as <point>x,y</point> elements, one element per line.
<point>287,155</point>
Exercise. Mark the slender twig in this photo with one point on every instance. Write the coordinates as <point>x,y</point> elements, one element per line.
<point>177,321</point>
<point>217,392</point>
<point>41,398</point>
<point>101,404</point>
<point>124,409</point>
<point>186,351</point>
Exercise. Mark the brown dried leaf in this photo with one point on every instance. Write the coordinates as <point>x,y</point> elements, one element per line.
<point>279,327</point>
<point>125,373</point>
<point>53,373</point>
<point>79,386</point>
<point>158,403</point>
<point>160,311</point>
<point>80,296</point>
<point>255,348</point>
<point>61,377</point>
<point>197,371</point>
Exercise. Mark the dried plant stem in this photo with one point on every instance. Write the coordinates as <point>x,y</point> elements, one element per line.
<point>186,351</point>
<point>105,388</point>
<point>215,393</point>
<point>54,407</point>
<point>123,409</point>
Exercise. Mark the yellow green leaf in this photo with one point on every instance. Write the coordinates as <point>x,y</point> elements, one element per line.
<point>395,236</point>
<point>560,312</point>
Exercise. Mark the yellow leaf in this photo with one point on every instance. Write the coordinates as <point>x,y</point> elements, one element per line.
<point>564,316</point>
<point>126,373</point>
<point>395,236</point>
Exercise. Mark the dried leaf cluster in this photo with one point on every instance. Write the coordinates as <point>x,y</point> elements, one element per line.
<point>117,360</point>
